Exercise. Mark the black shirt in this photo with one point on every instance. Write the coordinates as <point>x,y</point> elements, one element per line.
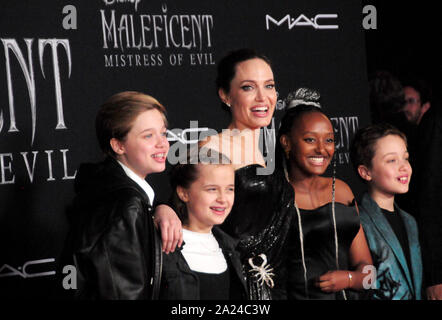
<point>214,286</point>
<point>398,226</point>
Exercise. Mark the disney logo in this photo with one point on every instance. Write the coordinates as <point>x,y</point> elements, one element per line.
<point>111,2</point>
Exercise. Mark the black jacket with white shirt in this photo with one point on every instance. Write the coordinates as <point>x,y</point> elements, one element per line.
<point>112,240</point>
<point>179,282</point>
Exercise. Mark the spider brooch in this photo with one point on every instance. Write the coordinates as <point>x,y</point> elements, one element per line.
<point>262,272</point>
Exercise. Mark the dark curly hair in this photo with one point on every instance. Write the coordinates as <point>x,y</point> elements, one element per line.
<point>299,102</point>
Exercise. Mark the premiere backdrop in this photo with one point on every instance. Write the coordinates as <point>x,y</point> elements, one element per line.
<point>59,60</point>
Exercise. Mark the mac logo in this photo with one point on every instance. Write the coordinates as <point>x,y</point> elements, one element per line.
<point>319,21</point>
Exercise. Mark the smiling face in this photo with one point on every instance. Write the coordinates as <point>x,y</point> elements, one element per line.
<point>210,197</point>
<point>390,170</point>
<point>310,144</point>
<point>145,147</point>
<point>252,95</point>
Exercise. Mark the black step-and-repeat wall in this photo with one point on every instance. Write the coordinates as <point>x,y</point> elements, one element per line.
<point>60,59</point>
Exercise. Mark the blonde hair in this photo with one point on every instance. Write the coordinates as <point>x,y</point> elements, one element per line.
<point>117,115</point>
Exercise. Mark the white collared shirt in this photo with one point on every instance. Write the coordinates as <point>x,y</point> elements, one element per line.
<point>203,253</point>
<point>141,182</point>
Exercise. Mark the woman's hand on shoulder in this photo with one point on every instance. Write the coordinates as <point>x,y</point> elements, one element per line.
<point>170,226</point>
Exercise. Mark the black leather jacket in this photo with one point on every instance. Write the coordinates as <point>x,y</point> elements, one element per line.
<point>113,242</point>
<point>179,282</point>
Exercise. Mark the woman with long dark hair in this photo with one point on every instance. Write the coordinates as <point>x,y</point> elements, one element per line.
<point>261,215</point>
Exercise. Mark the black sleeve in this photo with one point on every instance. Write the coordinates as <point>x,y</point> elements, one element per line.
<point>122,255</point>
<point>430,196</point>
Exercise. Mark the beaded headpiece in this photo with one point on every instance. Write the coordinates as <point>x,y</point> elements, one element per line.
<point>303,96</point>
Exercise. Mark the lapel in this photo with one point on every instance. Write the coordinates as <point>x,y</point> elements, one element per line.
<point>415,252</point>
<point>182,264</point>
<point>381,224</point>
<point>228,245</point>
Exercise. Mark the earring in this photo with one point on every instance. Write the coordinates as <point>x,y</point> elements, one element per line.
<point>287,154</point>
<point>228,104</point>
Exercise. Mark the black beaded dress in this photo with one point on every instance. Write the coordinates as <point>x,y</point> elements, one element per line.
<point>260,219</point>
<point>319,250</point>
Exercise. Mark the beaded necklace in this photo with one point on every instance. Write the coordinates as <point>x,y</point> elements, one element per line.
<point>301,235</point>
